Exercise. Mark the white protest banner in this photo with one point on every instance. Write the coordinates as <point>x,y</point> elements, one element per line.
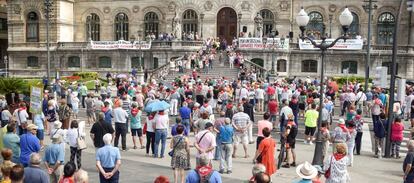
<point>250,43</point>
<point>349,44</point>
<point>257,43</point>
<point>277,43</point>
<point>127,45</point>
<point>36,97</point>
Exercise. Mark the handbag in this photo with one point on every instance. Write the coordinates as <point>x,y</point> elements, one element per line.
<point>328,171</point>
<point>81,142</point>
<point>171,153</point>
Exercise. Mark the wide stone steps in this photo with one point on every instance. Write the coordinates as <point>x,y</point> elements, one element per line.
<point>217,72</point>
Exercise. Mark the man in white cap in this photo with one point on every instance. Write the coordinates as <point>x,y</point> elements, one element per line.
<point>340,134</point>
<point>307,172</point>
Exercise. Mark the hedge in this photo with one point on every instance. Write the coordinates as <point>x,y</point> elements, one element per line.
<point>342,80</point>
<point>86,75</point>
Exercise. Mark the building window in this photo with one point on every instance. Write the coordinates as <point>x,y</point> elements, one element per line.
<point>281,66</point>
<point>74,61</point>
<point>135,62</point>
<point>155,63</point>
<point>105,62</point>
<point>268,20</point>
<point>354,27</point>
<point>151,23</point>
<point>309,66</point>
<point>388,66</point>
<point>32,29</point>
<point>121,27</point>
<point>315,28</point>
<point>385,27</point>
<point>93,25</point>
<point>352,67</point>
<point>190,21</point>
<point>32,61</point>
<point>3,24</point>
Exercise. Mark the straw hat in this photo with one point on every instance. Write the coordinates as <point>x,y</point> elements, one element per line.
<point>57,124</point>
<point>341,121</point>
<point>31,127</point>
<point>306,171</point>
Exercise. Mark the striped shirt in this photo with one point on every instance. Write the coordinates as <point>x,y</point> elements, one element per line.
<point>241,120</point>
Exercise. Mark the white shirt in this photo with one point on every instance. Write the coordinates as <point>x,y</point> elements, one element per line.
<point>161,121</point>
<point>120,115</point>
<point>244,93</point>
<point>150,128</point>
<point>22,117</point>
<point>260,93</point>
<point>72,136</point>
<point>286,110</point>
<point>6,115</point>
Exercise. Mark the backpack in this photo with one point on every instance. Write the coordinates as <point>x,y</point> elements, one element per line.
<point>204,179</point>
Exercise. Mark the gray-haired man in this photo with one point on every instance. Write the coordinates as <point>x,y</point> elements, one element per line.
<point>34,173</point>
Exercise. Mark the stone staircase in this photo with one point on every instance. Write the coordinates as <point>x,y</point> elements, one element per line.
<point>218,71</point>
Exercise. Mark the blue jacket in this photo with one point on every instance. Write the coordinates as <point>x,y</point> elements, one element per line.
<point>380,130</point>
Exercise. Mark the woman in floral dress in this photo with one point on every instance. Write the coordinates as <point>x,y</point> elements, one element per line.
<point>180,159</point>
<point>337,165</point>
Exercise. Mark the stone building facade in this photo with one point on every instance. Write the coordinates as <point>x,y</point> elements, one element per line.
<point>74,22</point>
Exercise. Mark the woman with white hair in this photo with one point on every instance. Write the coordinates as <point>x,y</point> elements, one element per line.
<point>81,176</point>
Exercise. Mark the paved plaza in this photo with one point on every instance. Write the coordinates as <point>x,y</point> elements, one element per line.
<point>136,167</point>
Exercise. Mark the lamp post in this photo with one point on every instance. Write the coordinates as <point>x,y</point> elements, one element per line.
<point>121,21</point>
<point>140,73</point>
<point>392,81</point>
<point>272,70</point>
<point>48,5</point>
<point>89,21</point>
<point>139,33</point>
<point>6,61</point>
<point>369,8</point>
<point>302,20</point>
<point>202,24</point>
<point>239,16</point>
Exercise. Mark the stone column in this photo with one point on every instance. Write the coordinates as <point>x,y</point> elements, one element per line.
<point>410,68</point>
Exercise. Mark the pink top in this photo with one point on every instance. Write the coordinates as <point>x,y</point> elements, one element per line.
<point>397,132</point>
<point>263,124</point>
<point>209,140</point>
<point>161,121</point>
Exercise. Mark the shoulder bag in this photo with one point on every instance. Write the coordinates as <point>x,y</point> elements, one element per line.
<point>80,142</point>
<point>171,153</point>
<point>328,171</point>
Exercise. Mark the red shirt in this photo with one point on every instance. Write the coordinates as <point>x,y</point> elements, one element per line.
<point>273,107</point>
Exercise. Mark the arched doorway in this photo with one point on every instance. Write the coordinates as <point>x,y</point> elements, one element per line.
<point>227,24</point>
<point>258,61</point>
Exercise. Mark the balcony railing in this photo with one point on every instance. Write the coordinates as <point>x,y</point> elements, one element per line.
<point>176,44</point>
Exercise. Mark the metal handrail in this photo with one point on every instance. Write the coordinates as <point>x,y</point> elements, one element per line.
<point>261,71</point>
<point>160,72</point>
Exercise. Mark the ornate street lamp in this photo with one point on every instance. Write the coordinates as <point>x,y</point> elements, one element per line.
<point>139,33</point>
<point>48,8</point>
<point>302,19</point>
<point>202,23</point>
<point>239,17</point>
